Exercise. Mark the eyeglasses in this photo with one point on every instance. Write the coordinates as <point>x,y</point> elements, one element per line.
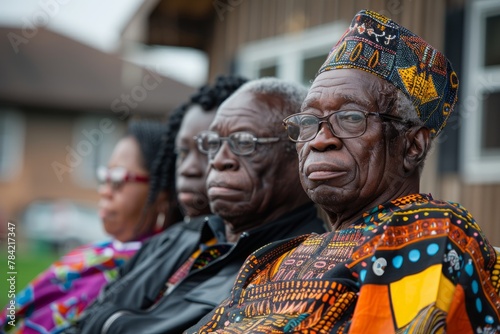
<point>344,124</point>
<point>117,176</point>
<point>240,143</point>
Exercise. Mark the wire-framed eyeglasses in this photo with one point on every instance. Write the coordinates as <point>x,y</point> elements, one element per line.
<point>118,176</point>
<point>303,127</point>
<point>240,143</point>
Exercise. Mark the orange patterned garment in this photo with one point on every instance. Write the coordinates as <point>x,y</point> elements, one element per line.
<point>413,265</point>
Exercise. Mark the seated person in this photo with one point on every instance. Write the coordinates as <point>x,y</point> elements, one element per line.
<point>186,170</point>
<point>254,190</point>
<point>130,213</point>
<point>396,261</point>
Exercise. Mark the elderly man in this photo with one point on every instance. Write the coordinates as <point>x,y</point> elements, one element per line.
<point>254,190</point>
<point>396,261</point>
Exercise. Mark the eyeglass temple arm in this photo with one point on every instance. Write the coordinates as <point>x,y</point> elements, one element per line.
<point>391,117</point>
<point>136,177</point>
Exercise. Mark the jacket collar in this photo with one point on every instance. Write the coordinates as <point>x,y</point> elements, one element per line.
<point>214,226</point>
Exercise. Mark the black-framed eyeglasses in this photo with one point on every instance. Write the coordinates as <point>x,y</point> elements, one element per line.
<point>240,143</point>
<point>344,124</point>
<point>117,176</point>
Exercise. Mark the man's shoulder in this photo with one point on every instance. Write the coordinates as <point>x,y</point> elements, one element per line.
<point>185,233</point>
<point>426,218</point>
<point>428,208</point>
<point>192,226</point>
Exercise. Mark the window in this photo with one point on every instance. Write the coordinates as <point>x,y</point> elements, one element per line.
<point>295,57</point>
<point>490,140</point>
<point>480,96</point>
<point>268,71</point>
<point>11,144</point>
<point>492,33</point>
<point>94,138</point>
<point>310,67</point>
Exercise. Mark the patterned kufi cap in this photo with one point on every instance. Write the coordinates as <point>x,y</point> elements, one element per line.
<point>378,45</point>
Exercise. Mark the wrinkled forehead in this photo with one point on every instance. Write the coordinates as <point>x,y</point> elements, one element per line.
<point>195,120</point>
<point>333,89</point>
<point>246,111</point>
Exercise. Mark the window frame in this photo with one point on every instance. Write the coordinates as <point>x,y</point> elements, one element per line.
<point>477,164</point>
<point>288,51</point>
<point>12,137</point>
<point>84,173</point>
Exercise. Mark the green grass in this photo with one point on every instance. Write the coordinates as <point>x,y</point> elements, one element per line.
<point>28,266</point>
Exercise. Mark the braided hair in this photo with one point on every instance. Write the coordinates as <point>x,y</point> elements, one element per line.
<point>149,134</point>
<point>209,98</point>
<point>149,137</point>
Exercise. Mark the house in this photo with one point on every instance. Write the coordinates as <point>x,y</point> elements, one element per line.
<point>63,106</point>
<point>291,38</point>
<point>284,38</point>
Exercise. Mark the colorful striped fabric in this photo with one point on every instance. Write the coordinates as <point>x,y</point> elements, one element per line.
<point>413,265</point>
<point>61,293</point>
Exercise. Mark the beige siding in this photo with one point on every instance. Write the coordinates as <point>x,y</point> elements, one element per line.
<point>483,201</point>
<point>45,142</point>
<point>261,19</point>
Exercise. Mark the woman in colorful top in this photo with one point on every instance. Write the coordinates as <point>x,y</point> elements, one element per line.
<point>132,208</point>
<point>396,261</point>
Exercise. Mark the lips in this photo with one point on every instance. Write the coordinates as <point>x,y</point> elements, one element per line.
<point>187,196</point>
<point>221,189</point>
<point>105,214</point>
<point>323,171</point>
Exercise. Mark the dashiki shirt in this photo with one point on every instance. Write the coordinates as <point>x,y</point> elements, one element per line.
<point>413,265</point>
<point>59,295</point>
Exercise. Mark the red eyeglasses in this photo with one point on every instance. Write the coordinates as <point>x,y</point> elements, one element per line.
<point>118,176</point>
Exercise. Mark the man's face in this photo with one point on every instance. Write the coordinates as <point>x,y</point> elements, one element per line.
<point>348,176</point>
<point>241,188</point>
<point>191,164</point>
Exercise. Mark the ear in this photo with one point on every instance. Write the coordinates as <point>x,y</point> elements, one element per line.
<point>417,144</point>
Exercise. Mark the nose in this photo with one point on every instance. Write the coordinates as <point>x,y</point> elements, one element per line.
<point>224,159</point>
<point>191,166</point>
<point>325,140</point>
<point>104,190</point>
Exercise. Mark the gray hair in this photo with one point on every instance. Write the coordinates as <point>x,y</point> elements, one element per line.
<point>292,94</point>
<point>406,110</point>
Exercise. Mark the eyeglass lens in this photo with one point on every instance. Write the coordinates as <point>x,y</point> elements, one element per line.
<point>344,124</point>
<point>115,175</point>
<point>241,143</point>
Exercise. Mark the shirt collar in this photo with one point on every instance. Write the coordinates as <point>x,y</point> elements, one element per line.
<point>376,215</point>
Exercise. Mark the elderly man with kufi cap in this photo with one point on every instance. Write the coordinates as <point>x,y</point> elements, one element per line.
<point>396,261</point>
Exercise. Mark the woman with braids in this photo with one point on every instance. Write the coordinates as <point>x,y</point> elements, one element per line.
<point>139,300</point>
<point>132,208</point>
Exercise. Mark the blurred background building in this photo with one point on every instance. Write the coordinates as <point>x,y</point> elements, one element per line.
<point>61,92</point>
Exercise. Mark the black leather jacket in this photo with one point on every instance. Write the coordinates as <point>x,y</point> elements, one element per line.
<point>128,305</point>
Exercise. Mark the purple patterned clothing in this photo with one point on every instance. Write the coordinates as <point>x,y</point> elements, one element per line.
<point>59,295</point>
